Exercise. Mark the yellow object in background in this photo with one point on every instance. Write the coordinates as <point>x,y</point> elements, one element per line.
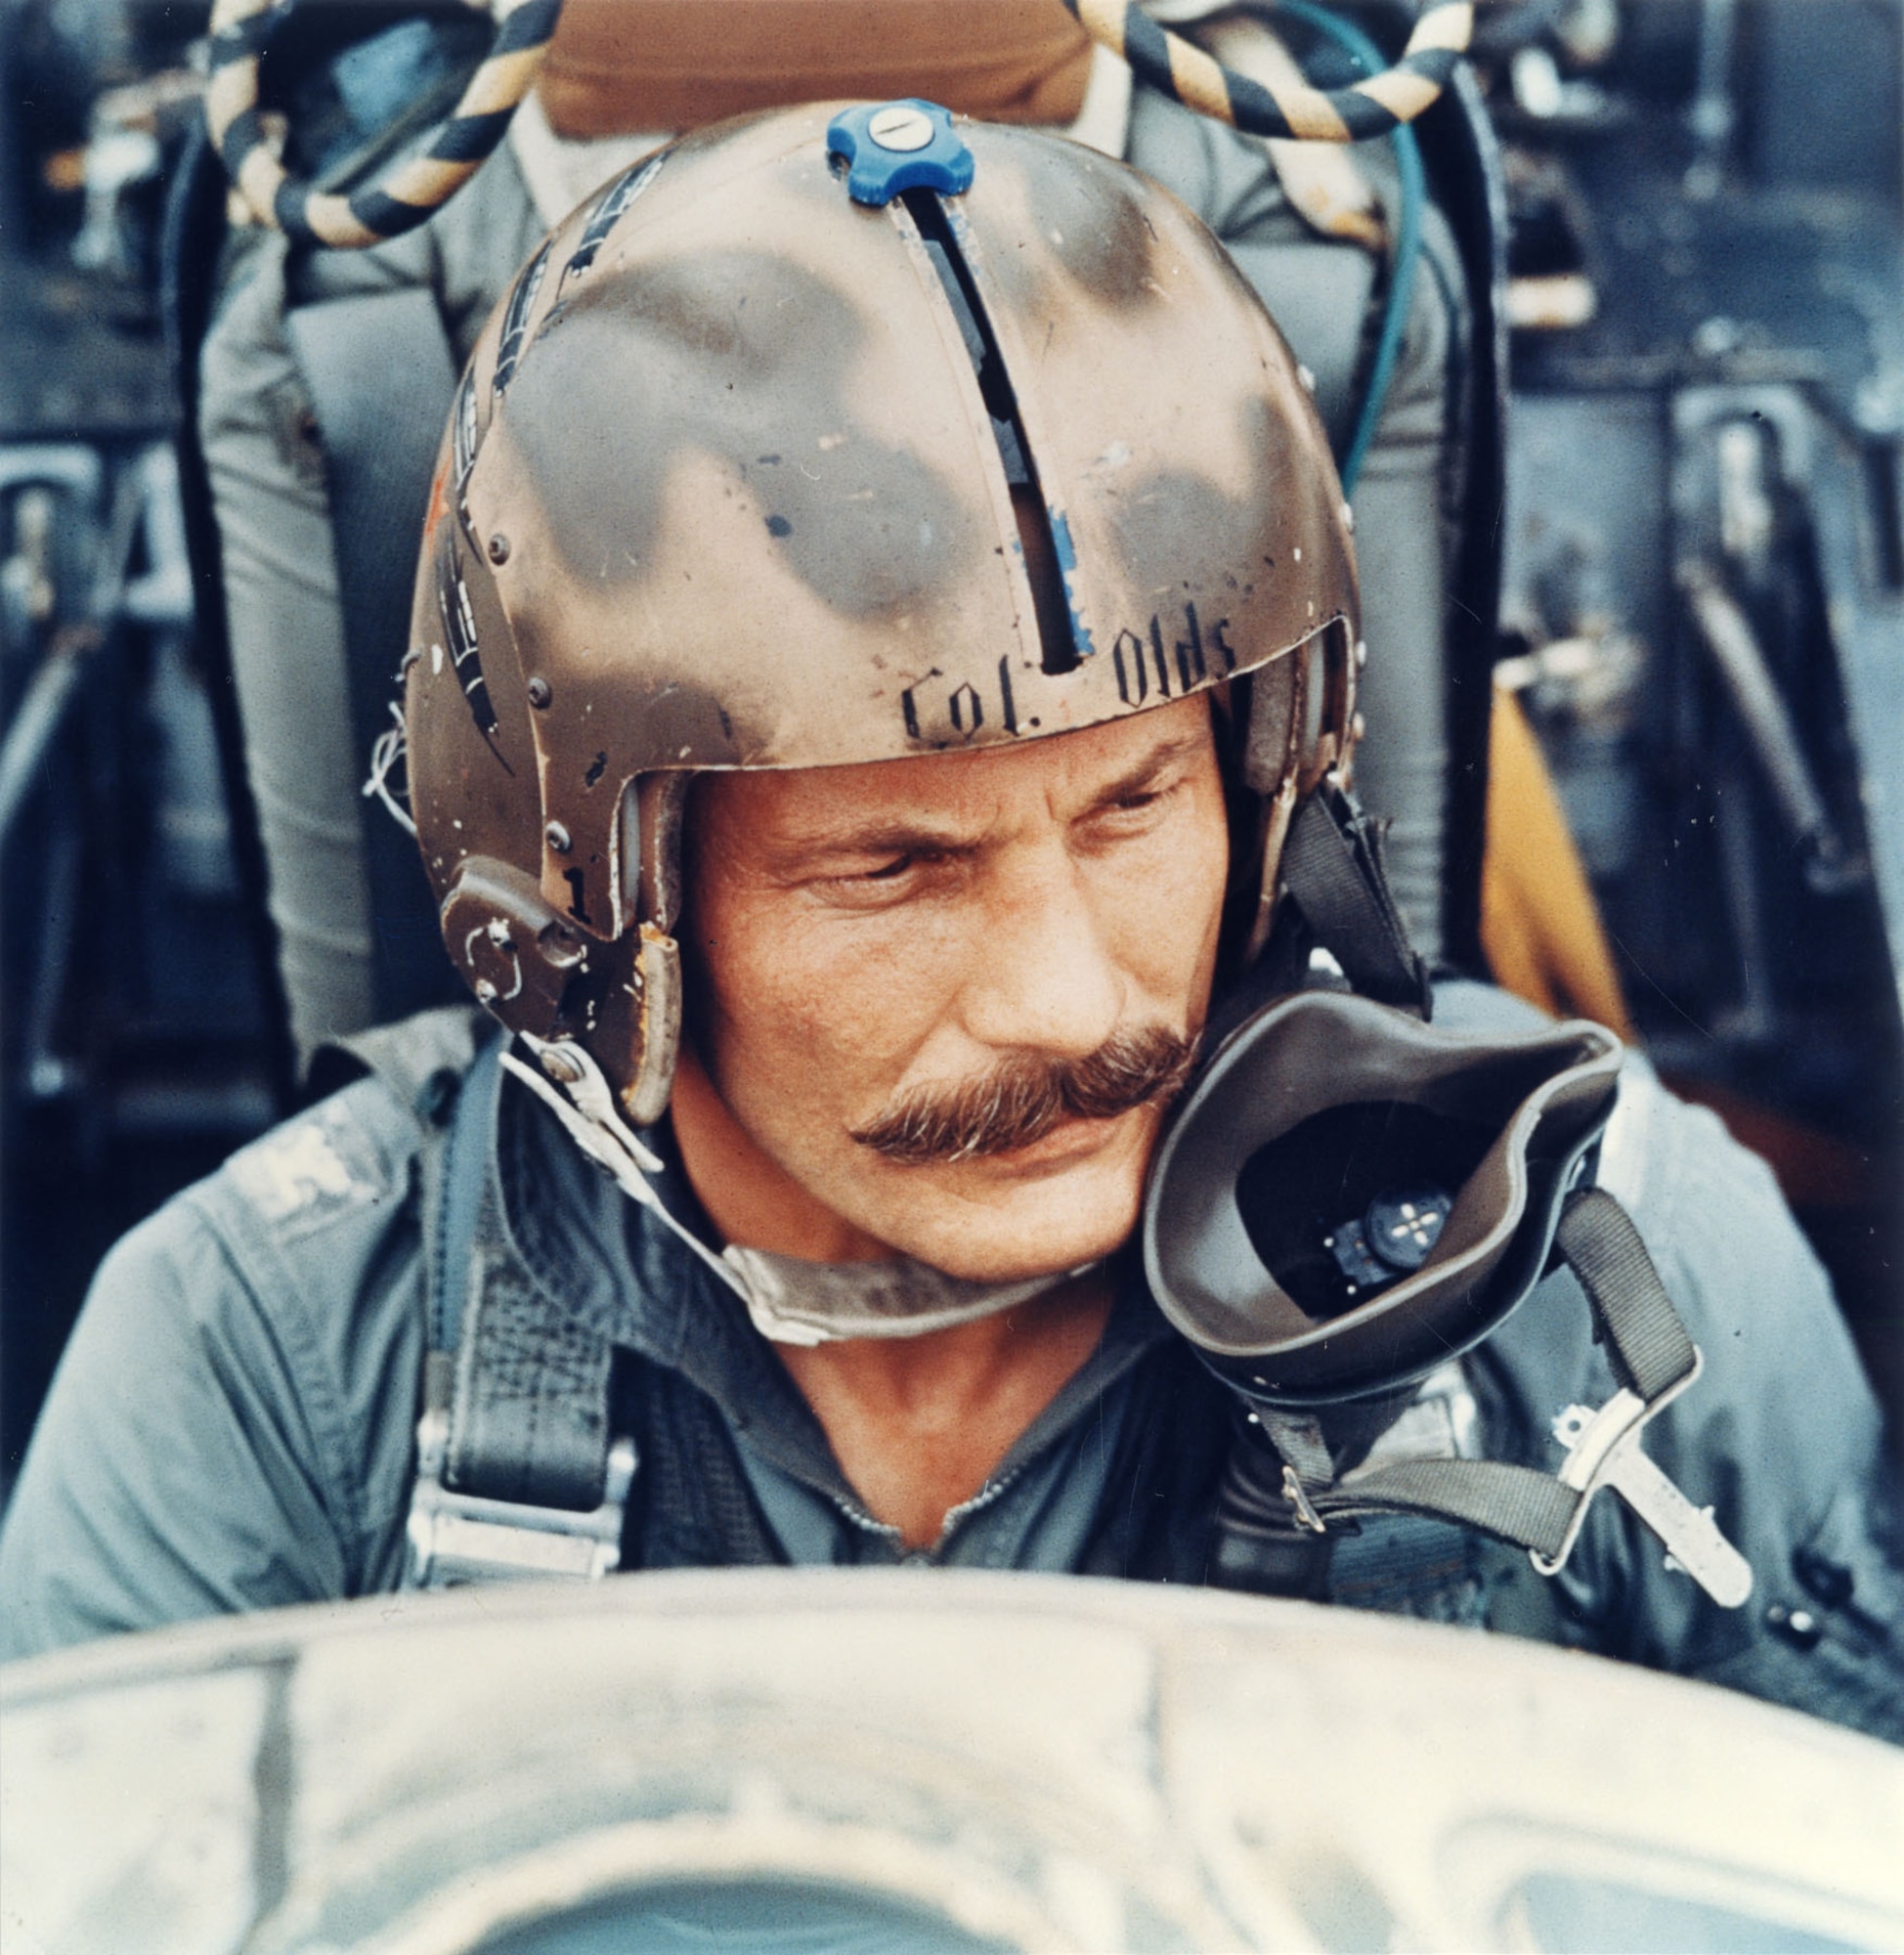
<point>1540,924</point>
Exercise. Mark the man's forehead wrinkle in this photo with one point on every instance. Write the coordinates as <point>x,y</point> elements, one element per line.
<point>811,813</point>
<point>1175,750</point>
<point>956,802</point>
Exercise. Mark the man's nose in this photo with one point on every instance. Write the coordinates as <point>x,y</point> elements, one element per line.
<point>1043,977</point>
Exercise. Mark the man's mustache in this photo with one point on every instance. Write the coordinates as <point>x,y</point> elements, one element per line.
<point>1023,1097</point>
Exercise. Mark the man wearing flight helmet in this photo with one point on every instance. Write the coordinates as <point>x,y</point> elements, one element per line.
<point>882,664</point>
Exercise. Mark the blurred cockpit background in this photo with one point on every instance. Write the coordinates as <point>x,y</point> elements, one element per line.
<point>1702,614</point>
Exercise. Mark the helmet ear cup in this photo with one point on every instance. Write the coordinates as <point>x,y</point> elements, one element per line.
<point>540,973</point>
<point>524,960</point>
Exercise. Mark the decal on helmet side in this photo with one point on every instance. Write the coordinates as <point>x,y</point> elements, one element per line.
<point>1138,659</point>
<point>459,619</point>
<point>515,321</point>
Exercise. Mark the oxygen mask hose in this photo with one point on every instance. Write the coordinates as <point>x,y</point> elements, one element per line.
<point>1408,242</point>
<point>415,187</point>
<point>1364,110</point>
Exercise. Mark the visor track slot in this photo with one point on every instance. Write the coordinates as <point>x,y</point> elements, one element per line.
<point>1042,554</point>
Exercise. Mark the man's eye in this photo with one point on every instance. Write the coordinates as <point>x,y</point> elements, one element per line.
<point>880,873</point>
<point>1145,801</point>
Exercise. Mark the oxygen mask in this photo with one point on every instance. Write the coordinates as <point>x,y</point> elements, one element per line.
<point>1349,1196</point>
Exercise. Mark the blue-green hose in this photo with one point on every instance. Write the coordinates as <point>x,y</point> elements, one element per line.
<point>1408,245</point>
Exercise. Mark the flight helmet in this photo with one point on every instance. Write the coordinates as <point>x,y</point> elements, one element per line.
<point>833,436</point>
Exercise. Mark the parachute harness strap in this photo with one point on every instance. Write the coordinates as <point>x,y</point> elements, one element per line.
<point>1367,108</point>
<point>408,193</point>
<point>1654,1360</point>
<point>520,1474</point>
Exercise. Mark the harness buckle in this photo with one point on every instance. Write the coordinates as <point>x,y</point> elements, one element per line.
<point>1294,1492</point>
<point>1603,1449</point>
<point>459,1537</point>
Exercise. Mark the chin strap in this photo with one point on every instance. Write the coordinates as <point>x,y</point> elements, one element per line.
<point>1282,1503</point>
<point>586,1106</point>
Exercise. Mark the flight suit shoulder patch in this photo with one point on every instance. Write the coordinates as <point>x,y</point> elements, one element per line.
<point>313,1170</point>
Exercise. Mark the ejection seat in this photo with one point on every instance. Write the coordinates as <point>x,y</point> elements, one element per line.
<point>316,382</point>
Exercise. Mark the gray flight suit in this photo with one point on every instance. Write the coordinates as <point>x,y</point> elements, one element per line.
<point>233,1426</point>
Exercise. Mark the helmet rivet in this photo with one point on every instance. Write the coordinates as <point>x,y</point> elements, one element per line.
<point>900,128</point>
<point>558,838</point>
<point>498,547</point>
<point>540,693</point>
<point>561,1067</point>
<point>1358,727</point>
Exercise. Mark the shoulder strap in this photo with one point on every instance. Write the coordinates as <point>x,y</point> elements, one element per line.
<point>692,1506</point>
<point>456,1199</point>
<point>519,1473</point>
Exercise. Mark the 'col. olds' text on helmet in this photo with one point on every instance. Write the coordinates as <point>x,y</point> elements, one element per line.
<point>823,438</point>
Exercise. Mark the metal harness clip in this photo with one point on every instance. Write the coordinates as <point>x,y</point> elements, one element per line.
<point>1297,1496</point>
<point>457,1538</point>
<point>1603,1449</point>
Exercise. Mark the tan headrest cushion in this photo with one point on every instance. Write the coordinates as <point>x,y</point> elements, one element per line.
<point>619,66</point>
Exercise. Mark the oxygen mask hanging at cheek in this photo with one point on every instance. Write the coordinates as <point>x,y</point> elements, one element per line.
<point>1349,1196</point>
<point>1348,1199</point>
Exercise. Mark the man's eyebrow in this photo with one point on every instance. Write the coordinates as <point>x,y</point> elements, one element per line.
<point>1167,755</point>
<point>903,834</point>
<point>875,836</point>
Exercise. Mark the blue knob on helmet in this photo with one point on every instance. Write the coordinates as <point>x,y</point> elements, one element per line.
<point>899,146</point>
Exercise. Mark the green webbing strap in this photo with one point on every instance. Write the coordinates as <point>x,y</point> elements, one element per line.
<point>1370,108</point>
<point>1649,1347</point>
<point>1513,1503</point>
<point>1298,1438</point>
<point>379,371</point>
<point>1407,244</point>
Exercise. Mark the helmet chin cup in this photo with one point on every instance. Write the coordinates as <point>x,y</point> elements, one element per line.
<point>1349,1196</point>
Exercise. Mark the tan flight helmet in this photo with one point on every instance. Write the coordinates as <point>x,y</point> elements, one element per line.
<point>844,434</point>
